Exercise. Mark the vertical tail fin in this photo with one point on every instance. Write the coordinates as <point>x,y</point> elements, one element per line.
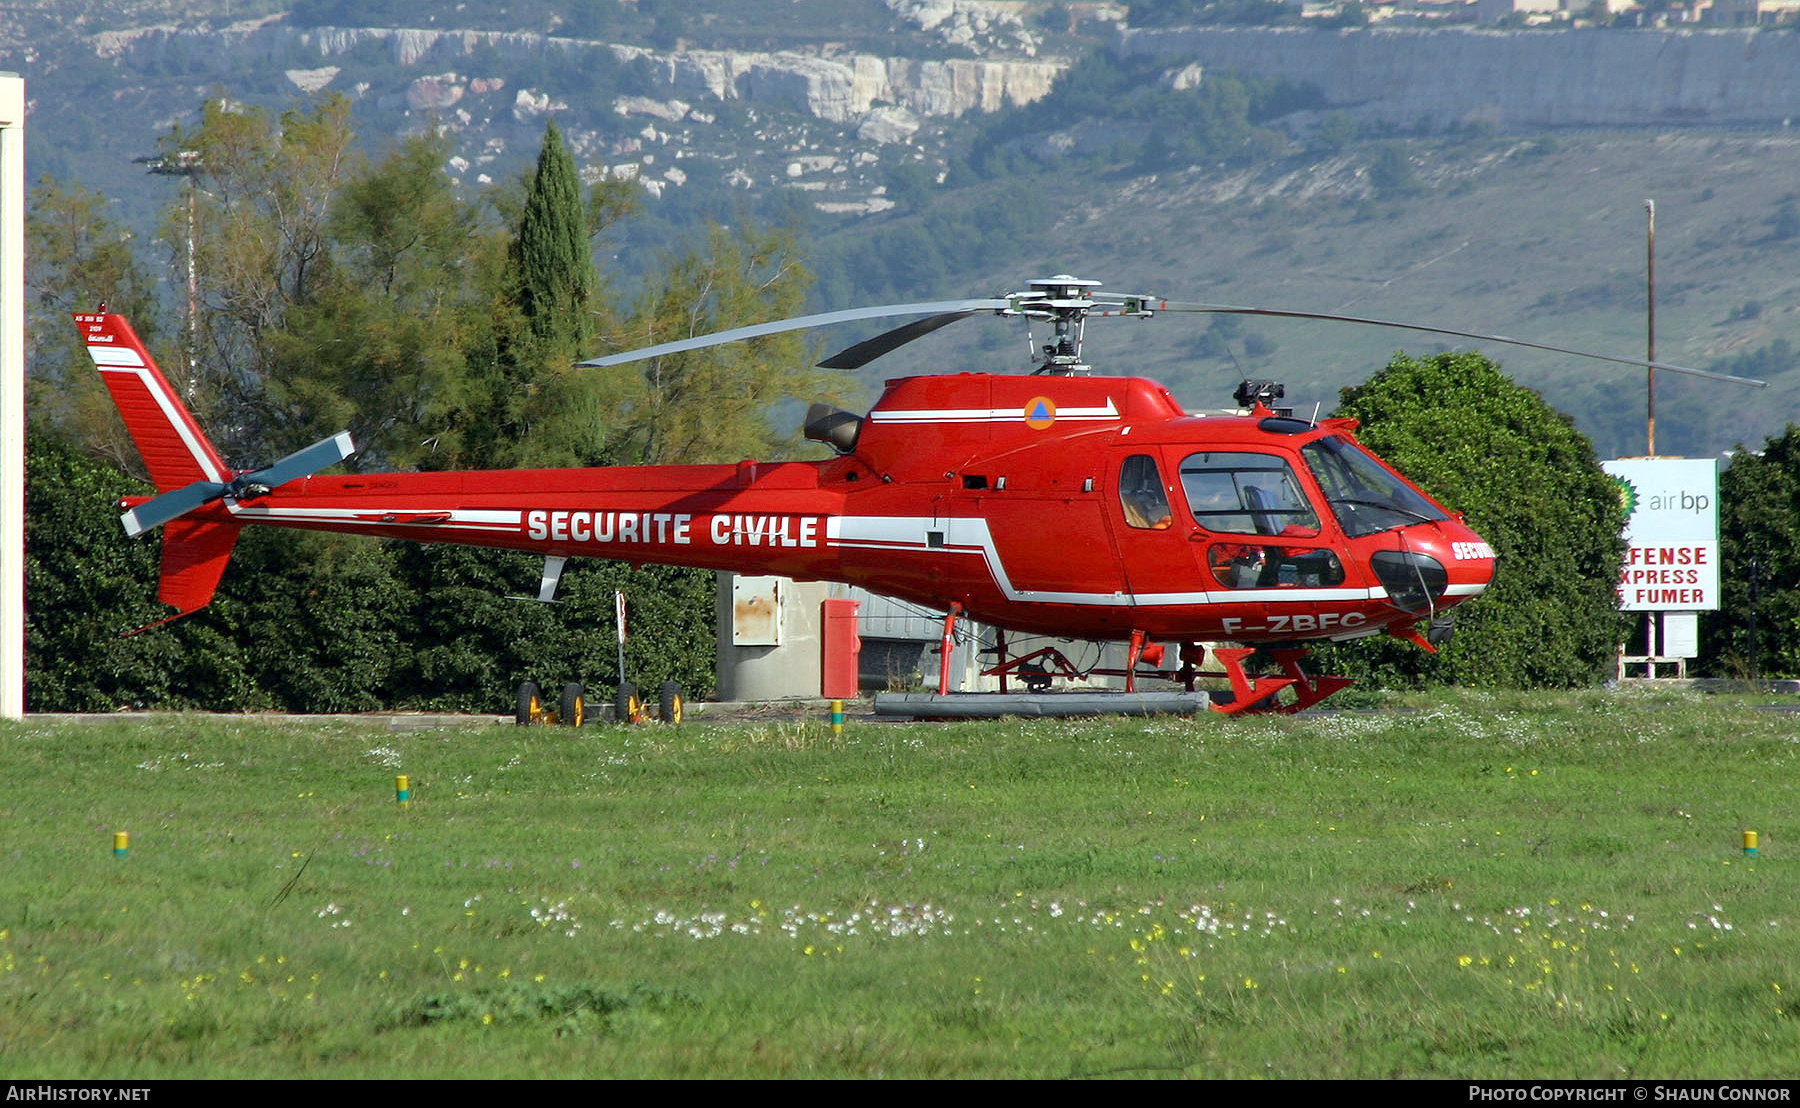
<point>193,560</point>
<point>175,451</point>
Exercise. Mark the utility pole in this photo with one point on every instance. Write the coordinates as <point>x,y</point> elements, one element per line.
<point>185,163</point>
<point>1650,300</point>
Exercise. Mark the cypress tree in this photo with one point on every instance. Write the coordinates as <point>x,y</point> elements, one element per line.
<point>554,268</point>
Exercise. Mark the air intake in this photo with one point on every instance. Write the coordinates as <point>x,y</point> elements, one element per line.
<point>832,426</point>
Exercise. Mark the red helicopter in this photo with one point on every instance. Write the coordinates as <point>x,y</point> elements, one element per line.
<point>1059,503</point>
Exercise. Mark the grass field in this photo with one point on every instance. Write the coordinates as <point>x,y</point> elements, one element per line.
<point>1472,886</point>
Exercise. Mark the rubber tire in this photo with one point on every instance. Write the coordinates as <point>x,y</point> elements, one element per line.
<point>669,702</point>
<point>530,704</point>
<point>626,706</point>
<point>574,704</point>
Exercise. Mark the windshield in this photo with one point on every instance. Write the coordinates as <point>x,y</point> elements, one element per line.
<point>1363,495</point>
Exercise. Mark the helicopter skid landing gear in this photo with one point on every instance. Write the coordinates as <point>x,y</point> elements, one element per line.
<point>1251,695</point>
<point>1036,669</point>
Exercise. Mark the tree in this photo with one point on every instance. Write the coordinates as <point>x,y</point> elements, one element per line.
<point>89,585</point>
<point>1391,172</point>
<point>381,345</point>
<point>1337,130</point>
<point>713,404</point>
<point>1756,631</point>
<point>542,412</point>
<point>339,292</point>
<point>553,265</point>
<point>80,258</point>
<point>1528,482</point>
<point>325,622</point>
<point>468,640</point>
<point>263,190</point>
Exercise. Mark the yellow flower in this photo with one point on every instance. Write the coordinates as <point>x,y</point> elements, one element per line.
<point>1464,960</point>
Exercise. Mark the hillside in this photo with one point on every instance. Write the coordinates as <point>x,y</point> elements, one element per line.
<point>860,118</point>
<point>1540,239</point>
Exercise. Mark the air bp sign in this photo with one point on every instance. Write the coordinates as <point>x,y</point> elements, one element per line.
<point>1672,533</point>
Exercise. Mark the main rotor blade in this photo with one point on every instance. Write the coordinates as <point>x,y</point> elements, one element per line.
<point>797,324</point>
<point>854,357</point>
<point>1150,304</point>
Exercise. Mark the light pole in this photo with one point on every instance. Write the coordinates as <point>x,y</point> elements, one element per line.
<point>1650,300</point>
<point>184,163</point>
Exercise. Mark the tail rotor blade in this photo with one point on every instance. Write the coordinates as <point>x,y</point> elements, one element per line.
<point>170,505</point>
<point>301,463</point>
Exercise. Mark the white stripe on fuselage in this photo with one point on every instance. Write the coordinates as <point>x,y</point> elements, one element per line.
<point>475,519</point>
<point>985,415</point>
<point>972,537</point>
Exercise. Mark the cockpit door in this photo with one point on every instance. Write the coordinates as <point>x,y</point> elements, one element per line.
<point>1255,529</point>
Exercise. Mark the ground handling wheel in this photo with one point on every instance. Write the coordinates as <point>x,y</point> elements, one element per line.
<point>627,708</point>
<point>669,702</point>
<point>574,705</point>
<point>530,707</point>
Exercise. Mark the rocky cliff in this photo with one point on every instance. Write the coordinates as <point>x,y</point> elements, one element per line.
<point>1409,78</point>
<point>841,88</point>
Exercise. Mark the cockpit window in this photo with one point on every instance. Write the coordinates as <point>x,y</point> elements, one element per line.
<point>1363,495</point>
<point>1141,493</point>
<point>1246,494</point>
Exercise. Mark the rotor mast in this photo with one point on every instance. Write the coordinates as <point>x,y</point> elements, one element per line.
<point>1065,301</point>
